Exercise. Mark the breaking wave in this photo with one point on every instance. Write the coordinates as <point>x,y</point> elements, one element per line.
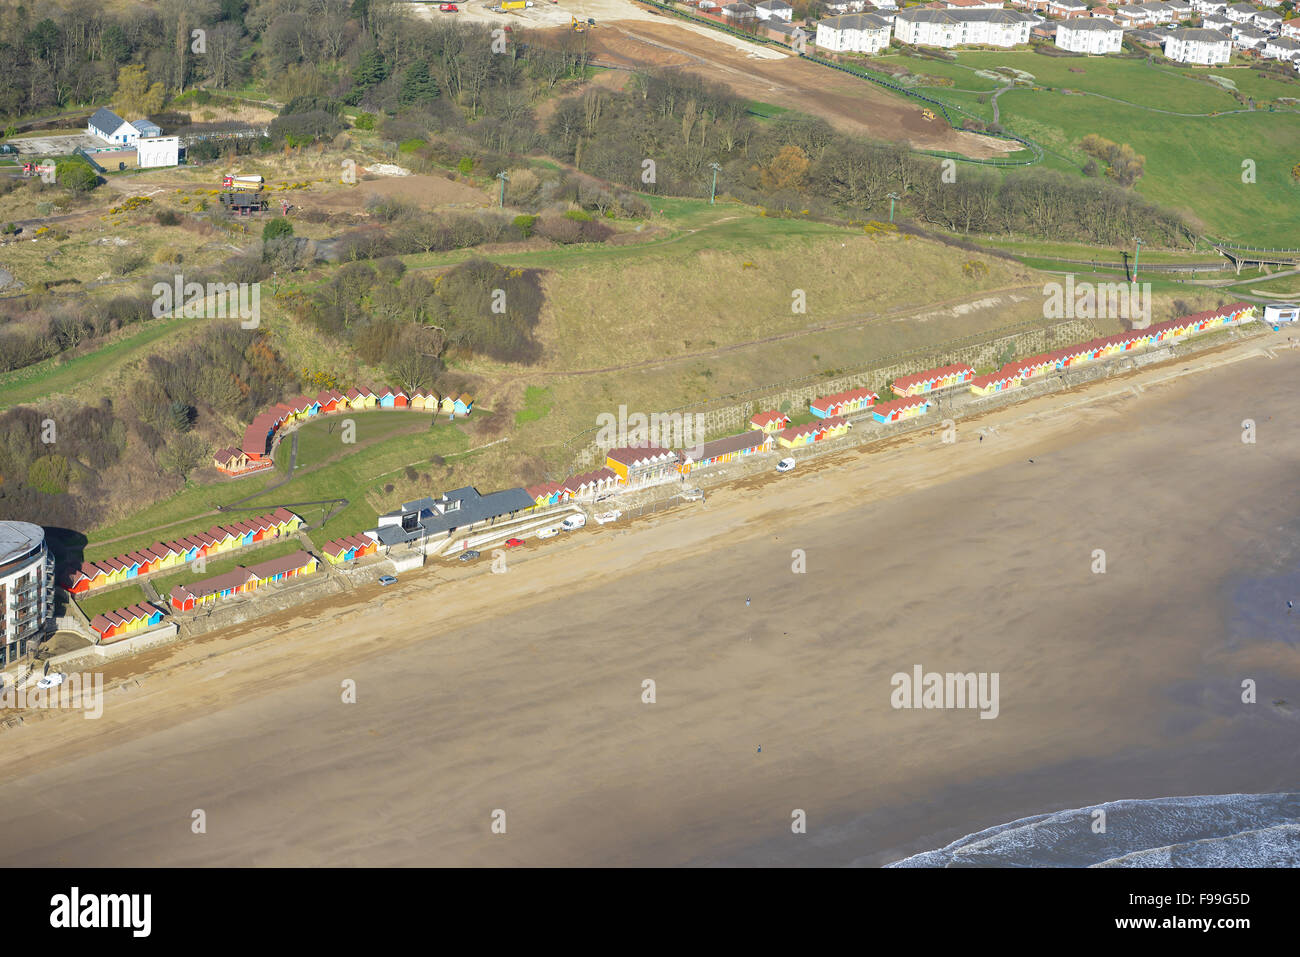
<point>1213,830</point>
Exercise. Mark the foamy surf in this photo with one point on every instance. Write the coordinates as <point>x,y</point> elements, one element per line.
<point>1214,830</point>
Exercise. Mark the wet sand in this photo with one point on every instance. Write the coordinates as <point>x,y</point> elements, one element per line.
<point>522,691</point>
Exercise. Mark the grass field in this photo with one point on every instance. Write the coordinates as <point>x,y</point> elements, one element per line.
<point>1193,162</point>
<point>97,602</point>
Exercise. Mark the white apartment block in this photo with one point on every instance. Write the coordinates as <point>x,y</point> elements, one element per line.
<point>854,33</point>
<point>951,28</point>
<point>1090,35</point>
<point>1201,47</point>
<point>1281,48</point>
<point>775,9</point>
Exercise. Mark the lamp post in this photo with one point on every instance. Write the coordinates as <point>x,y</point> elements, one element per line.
<point>892,197</point>
<point>1137,252</point>
<point>713,191</point>
<point>504,179</point>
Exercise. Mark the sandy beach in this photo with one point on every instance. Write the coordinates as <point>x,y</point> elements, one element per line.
<point>523,691</point>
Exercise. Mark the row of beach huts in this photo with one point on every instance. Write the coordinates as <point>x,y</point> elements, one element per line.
<point>624,468</point>
<point>254,453</point>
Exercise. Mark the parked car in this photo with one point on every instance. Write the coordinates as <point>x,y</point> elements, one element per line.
<point>514,542</point>
<point>573,522</point>
<point>448,8</point>
<point>468,556</point>
<point>52,681</point>
<point>549,532</point>
<point>387,580</point>
<point>693,494</point>
<point>785,465</point>
<point>613,515</point>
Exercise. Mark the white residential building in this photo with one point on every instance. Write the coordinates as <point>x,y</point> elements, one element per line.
<point>854,33</point>
<point>972,4</point>
<point>1199,46</point>
<point>107,125</point>
<point>1090,35</point>
<point>1209,6</point>
<point>1269,20</point>
<point>950,28</point>
<point>1217,21</point>
<point>1067,9</point>
<point>1291,28</point>
<point>1281,48</point>
<point>775,9</point>
<point>26,589</point>
<point>1248,37</point>
<point>846,6</point>
<point>1240,12</point>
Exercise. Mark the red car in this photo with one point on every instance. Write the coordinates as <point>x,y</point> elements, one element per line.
<point>448,8</point>
<point>514,542</point>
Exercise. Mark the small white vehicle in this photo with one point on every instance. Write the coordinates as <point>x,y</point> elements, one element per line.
<point>549,532</point>
<point>613,515</point>
<point>573,522</point>
<point>52,681</point>
<point>785,465</point>
<point>693,494</point>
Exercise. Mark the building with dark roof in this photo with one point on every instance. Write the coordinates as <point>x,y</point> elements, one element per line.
<point>460,510</point>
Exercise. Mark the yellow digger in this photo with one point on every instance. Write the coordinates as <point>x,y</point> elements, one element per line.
<point>578,25</point>
<point>927,115</point>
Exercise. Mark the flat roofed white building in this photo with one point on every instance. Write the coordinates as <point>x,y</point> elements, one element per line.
<point>26,588</point>
<point>153,151</point>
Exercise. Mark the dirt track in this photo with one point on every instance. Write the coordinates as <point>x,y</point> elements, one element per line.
<point>852,105</point>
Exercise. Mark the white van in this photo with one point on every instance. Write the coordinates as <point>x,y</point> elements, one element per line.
<point>573,522</point>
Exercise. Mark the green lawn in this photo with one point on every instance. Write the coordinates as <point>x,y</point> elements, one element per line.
<point>98,602</point>
<point>1193,163</point>
<point>386,442</point>
<point>537,403</point>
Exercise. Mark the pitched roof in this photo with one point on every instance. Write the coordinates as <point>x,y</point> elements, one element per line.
<point>898,405</point>
<point>732,443</point>
<point>767,418</point>
<point>105,119</point>
<point>212,586</point>
<point>278,566</point>
<point>636,454</point>
<point>929,375</point>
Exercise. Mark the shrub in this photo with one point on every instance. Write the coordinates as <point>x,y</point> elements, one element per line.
<point>525,225</point>
<point>365,121</point>
<point>276,228</point>
<point>166,217</point>
<point>579,215</point>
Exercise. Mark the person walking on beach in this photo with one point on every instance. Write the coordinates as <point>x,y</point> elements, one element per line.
<point>746,601</point>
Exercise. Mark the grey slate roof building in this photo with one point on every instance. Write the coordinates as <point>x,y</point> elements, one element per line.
<point>105,119</point>
<point>458,509</point>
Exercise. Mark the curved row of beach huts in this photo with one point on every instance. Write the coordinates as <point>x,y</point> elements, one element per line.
<point>254,453</point>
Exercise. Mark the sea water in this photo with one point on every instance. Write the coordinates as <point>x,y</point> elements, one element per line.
<point>1214,830</point>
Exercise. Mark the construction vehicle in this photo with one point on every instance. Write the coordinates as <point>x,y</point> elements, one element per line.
<point>927,115</point>
<point>243,184</point>
<point>577,25</point>
<point>243,203</point>
<point>512,5</point>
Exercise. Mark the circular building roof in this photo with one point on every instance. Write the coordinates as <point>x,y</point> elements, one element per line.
<point>18,538</point>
